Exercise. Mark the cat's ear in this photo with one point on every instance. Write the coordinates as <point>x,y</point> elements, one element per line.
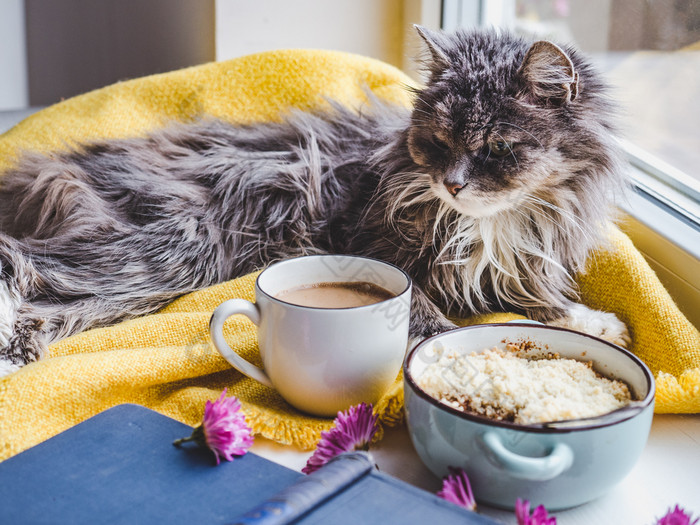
<point>549,74</point>
<point>436,44</point>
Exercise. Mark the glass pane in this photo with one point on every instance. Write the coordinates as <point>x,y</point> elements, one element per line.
<point>649,50</point>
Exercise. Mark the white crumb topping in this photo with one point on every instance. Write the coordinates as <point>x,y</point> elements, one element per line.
<point>501,385</point>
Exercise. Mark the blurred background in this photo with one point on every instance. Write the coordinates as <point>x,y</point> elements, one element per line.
<point>55,49</point>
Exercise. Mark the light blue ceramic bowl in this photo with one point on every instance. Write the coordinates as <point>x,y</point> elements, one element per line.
<point>559,465</point>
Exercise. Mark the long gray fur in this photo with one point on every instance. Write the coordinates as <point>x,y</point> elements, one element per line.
<point>118,229</point>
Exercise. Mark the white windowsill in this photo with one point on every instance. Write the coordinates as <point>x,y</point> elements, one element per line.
<point>663,476</point>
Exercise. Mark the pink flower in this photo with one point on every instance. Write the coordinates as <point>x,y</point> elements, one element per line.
<point>223,429</point>
<point>353,430</point>
<point>677,516</point>
<point>539,515</point>
<point>457,489</point>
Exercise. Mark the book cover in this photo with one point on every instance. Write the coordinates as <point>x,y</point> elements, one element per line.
<point>120,467</point>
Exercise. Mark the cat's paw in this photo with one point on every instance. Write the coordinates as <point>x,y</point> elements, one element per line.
<point>425,324</point>
<point>432,329</point>
<point>594,322</point>
<point>9,302</point>
<point>22,339</point>
<point>7,367</point>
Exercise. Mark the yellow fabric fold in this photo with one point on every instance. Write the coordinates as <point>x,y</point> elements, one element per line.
<point>166,362</point>
<point>618,279</point>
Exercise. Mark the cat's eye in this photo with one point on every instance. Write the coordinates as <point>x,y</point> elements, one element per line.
<point>440,144</point>
<point>499,147</point>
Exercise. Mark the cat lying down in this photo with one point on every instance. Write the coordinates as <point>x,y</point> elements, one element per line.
<point>490,193</point>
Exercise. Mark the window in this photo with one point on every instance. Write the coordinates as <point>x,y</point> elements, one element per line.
<point>650,53</point>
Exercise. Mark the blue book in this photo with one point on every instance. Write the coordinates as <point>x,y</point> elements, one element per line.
<point>120,467</point>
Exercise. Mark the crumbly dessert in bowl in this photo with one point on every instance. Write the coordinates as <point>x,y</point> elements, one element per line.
<point>519,385</point>
<point>557,459</point>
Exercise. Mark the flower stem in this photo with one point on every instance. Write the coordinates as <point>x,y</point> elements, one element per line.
<point>197,436</point>
<point>180,441</point>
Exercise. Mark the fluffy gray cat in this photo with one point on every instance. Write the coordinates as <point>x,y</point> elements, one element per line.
<point>490,193</point>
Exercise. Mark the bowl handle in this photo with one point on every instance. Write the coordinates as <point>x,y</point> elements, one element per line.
<point>543,468</point>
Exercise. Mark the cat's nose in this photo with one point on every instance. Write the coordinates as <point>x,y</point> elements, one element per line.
<point>453,187</point>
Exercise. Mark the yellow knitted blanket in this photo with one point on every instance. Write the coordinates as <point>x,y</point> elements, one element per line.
<point>165,361</point>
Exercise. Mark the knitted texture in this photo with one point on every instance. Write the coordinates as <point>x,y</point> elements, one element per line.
<point>165,361</point>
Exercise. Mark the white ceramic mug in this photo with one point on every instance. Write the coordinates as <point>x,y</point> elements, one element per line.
<point>322,360</point>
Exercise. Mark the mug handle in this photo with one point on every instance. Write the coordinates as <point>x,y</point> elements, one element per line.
<point>560,458</point>
<point>216,329</point>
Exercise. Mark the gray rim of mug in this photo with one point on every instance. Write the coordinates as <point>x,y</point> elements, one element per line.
<point>408,378</point>
<point>373,305</point>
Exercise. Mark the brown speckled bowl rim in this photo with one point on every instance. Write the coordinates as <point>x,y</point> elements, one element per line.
<point>476,418</point>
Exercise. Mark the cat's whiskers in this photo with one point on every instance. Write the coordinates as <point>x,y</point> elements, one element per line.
<point>424,112</point>
<point>566,215</point>
<point>418,124</point>
<point>443,209</point>
<point>509,149</point>
<point>408,193</point>
<point>560,221</point>
<point>548,204</point>
<point>500,122</point>
<point>493,246</point>
<point>546,234</point>
<point>409,189</point>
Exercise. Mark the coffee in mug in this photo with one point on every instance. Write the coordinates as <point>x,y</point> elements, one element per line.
<point>323,354</point>
<point>336,294</point>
